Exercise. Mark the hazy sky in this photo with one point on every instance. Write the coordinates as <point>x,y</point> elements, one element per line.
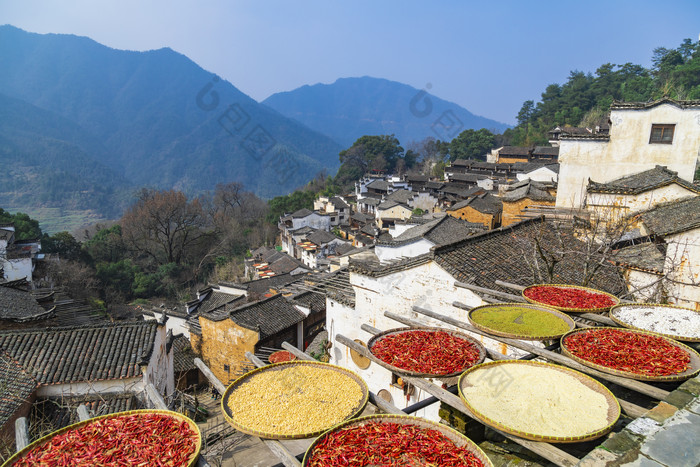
<point>486,56</point>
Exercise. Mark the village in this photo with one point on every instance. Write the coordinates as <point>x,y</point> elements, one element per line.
<point>614,208</point>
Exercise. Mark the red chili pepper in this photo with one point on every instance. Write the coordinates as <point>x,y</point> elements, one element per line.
<point>568,297</point>
<point>628,351</point>
<point>430,352</point>
<point>281,356</point>
<point>136,439</point>
<point>387,443</point>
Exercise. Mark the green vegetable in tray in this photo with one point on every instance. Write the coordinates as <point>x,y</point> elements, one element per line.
<point>520,320</point>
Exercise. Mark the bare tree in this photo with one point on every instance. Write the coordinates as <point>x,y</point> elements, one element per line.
<point>164,225</point>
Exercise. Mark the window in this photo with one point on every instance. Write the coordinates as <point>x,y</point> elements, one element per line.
<point>662,134</point>
<point>227,368</point>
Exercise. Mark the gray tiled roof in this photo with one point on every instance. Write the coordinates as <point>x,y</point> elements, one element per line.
<point>485,203</point>
<point>321,237</point>
<point>379,184</point>
<point>301,213</point>
<point>20,306</point>
<point>183,355</point>
<point>268,316</point>
<point>388,204</point>
<point>370,201</point>
<point>84,353</point>
<point>286,264</point>
<point>673,217</point>
<point>527,189</point>
<point>439,231</point>
<point>313,300</point>
<point>644,256</point>
<point>637,183</point>
<point>506,254</point>
<point>338,202</point>
<point>514,151</point>
<point>545,151</point>
<point>216,300</point>
<point>470,178</point>
<point>402,196</point>
<point>17,386</point>
<point>616,105</point>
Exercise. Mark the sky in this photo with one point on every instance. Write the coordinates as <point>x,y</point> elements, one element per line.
<point>487,56</point>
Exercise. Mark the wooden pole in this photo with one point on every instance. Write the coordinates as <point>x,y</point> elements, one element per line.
<point>637,386</point>
<point>21,433</point>
<point>549,452</point>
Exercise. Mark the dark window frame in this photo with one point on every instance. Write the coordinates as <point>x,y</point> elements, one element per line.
<point>665,129</point>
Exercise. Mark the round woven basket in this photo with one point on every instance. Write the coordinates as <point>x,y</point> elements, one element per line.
<point>544,309</point>
<point>192,460</point>
<point>614,310</point>
<point>394,369</point>
<point>282,367</point>
<point>612,415</point>
<point>571,310</point>
<point>457,438</point>
<point>693,365</point>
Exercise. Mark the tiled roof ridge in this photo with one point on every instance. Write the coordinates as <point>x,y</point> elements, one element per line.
<point>18,365</point>
<point>376,269</point>
<point>592,137</point>
<point>609,187</point>
<point>683,104</point>
<point>255,303</point>
<point>129,322</point>
<point>478,237</point>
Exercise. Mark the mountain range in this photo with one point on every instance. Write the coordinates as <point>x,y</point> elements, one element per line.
<point>83,125</point>
<point>353,107</point>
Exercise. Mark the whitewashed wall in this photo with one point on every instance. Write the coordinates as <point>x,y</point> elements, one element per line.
<point>629,150</point>
<point>428,286</point>
<point>637,203</point>
<point>683,268</point>
<point>409,250</point>
<point>17,268</point>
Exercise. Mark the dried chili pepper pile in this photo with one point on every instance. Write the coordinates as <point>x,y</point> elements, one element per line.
<point>151,439</point>
<point>568,297</point>
<point>628,351</point>
<point>431,352</point>
<point>377,443</point>
<point>281,356</point>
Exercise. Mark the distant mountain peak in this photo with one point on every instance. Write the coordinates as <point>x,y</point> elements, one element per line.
<point>351,107</point>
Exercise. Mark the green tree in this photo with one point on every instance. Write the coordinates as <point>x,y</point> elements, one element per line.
<point>368,149</point>
<point>64,244</point>
<point>471,144</point>
<point>26,228</point>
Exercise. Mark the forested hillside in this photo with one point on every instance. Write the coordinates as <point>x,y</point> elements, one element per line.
<point>163,120</point>
<point>584,99</point>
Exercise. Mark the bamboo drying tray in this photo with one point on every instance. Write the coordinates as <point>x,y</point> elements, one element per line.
<point>376,338</point>
<point>613,405</point>
<point>571,310</point>
<point>281,367</point>
<point>693,365</point>
<point>457,438</point>
<point>614,310</point>
<point>193,426</point>
<point>541,308</point>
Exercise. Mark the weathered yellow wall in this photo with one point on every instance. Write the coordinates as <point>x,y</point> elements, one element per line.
<point>512,210</point>
<point>472,215</point>
<point>225,343</point>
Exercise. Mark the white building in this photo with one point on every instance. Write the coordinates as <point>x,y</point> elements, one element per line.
<point>429,281</point>
<point>639,192</point>
<point>642,135</point>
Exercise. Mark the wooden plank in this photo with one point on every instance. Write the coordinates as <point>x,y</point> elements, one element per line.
<point>296,352</point>
<point>494,293</point>
<point>630,409</point>
<point>277,448</point>
<point>21,433</point>
<point>547,451</point>
<point>634,385</point>
<point>373,398</point>
<point>155,398</point>
<point>83,413</point>
<point>213,380</point>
